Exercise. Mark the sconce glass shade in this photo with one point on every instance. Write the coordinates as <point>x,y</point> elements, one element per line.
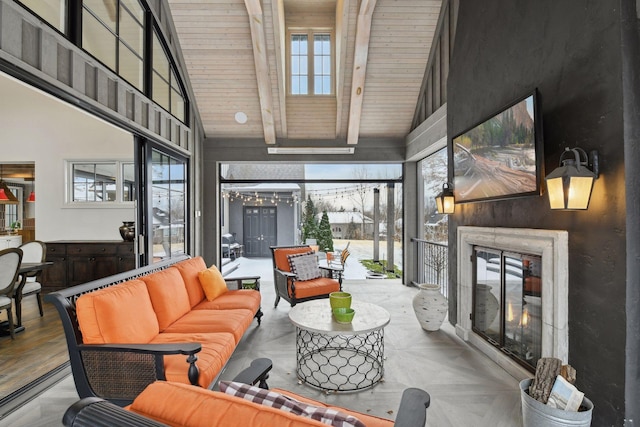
<point>32,197</point>
<point>445,201</point>
<point>569,185</point>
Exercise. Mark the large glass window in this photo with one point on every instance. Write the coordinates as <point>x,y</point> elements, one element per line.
<point>169,205</point>
<point>434,175</point>
<point>52,11</point>
<point>310,68</point>
<point>166,88</point>
<point>100,182</point>
<point>113,32</point>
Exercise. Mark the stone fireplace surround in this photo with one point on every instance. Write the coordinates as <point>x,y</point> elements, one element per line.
<point>552,246</point>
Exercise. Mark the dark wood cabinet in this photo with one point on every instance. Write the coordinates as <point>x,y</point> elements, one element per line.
<point>76,262</point>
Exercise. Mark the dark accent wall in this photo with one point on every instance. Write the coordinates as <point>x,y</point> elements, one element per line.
<point>571,52</point>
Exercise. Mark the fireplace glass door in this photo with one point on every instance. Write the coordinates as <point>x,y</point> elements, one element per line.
<point>507,302</point>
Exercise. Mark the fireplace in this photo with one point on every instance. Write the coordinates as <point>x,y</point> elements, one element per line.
<point>512,294</point>
<point>507,303</point>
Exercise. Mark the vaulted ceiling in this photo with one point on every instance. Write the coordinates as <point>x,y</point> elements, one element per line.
<point>235,52</point>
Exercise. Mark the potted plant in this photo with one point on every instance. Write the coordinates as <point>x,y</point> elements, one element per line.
<point>15,226</point>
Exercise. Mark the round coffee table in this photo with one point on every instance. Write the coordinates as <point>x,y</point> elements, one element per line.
<point>336,356</point>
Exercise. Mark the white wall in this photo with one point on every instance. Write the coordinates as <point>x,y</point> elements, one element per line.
<point>35,127</point>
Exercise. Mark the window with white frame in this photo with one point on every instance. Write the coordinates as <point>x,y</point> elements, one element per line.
<point>310,62</point>
<point>101,182</point>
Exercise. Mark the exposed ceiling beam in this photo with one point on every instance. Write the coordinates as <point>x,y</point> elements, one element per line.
<point>279,35</point>
<point>342,33</point>
<point>256,22</point>
<point>363,33</point>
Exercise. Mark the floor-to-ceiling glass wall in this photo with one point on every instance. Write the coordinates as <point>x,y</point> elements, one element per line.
<point>359,205</point>
<point>432,251</point>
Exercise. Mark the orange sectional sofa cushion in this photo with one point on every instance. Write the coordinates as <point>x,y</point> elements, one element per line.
<point>212,282</point>
<point>314,287</point>
<point>247,299</point>
<point>168,296</point>
<point>217,348</point>
<point>180,405</point>
<point>281,256</point>
<point>189,270</point>
<point>121,314</point>
<point>234,322</point>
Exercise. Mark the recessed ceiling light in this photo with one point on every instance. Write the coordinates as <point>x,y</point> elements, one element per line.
<point>241,117</point>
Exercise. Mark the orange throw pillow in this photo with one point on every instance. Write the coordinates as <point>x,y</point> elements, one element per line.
<point>212,282</point>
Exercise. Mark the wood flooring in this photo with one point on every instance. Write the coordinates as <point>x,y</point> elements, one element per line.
<point>467,389</point>
<point>37,350</point>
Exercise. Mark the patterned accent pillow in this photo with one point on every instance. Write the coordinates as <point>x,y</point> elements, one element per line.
<point>270,398</point>
<point>305,266</point>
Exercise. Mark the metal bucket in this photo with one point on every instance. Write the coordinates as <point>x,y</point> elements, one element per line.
<point>537,414</point>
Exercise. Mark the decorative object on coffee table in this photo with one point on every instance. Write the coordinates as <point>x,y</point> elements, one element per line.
<point>430,306</point>
<point>343,315</point>
<point>340,300</point>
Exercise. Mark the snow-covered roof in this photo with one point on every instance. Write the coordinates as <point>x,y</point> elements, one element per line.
<point>345,218</point>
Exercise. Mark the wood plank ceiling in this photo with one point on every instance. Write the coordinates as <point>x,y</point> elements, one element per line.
<point>236,57</point>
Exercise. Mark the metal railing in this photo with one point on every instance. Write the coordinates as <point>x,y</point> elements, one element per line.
<point>433,264</point>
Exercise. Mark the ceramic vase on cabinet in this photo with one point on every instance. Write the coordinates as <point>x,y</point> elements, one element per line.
<point>128,231</point>
<point>430,306</point>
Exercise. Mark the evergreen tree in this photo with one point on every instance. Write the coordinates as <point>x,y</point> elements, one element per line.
<point>325,237</point>
<point>309,222</point>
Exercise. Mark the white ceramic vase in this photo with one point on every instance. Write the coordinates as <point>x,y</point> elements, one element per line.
<point>430,306</point>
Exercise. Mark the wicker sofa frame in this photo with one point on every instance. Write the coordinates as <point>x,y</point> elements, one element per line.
<point>119,372</point>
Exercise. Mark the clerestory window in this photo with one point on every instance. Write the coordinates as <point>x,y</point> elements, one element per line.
<point>310,60</point>
<point>113,32</point>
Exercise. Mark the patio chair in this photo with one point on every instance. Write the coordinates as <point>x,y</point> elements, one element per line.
<point>10,260</point>
<point>297,276</point>
<point>34,251</point>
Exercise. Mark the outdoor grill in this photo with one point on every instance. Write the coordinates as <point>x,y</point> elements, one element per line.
<point>230,247</point>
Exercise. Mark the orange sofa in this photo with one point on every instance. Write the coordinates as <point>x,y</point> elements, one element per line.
<point>158,322</point>
<point>179,405</point>
<point>290,287</point>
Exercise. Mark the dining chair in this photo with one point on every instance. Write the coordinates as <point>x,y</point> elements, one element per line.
<point>34,251</point>
<point>10,260</point>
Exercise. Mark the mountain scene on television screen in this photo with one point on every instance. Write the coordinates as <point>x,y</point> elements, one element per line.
<point>497,157</point>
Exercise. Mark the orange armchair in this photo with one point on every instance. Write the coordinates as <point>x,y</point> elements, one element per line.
<point>299,286</point>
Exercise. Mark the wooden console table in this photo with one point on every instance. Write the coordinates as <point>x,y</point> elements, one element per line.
<point>81,261</point>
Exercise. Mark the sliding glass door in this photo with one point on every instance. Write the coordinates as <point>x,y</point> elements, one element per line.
<point>167,195</point>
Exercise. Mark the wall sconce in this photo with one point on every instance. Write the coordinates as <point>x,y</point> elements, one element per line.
<point>445,201</point>
<point>569,185</point>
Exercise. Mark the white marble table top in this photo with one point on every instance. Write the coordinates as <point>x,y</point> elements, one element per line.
<point>316,316</point>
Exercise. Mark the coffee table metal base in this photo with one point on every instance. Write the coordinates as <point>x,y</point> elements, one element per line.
<point>340,363</point>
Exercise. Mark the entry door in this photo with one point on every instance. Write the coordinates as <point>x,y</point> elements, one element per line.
<point>259,230</point>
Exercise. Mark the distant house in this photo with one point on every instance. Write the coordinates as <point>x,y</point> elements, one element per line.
<point>261,215</point>
<point>340,223</point>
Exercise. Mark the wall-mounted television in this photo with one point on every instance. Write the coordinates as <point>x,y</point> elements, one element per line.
<point>500,157</point>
